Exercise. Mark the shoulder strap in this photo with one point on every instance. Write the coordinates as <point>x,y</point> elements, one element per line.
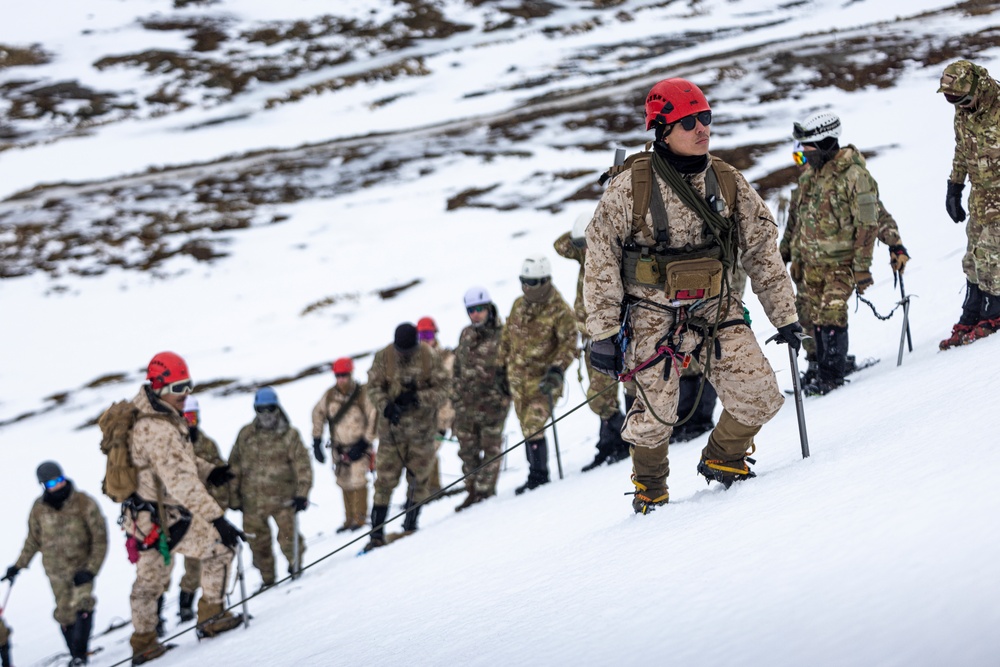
<point>721,179</point>
<point>342,410</point>
<point>643,185</point>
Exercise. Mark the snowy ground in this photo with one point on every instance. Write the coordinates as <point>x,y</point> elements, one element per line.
<point>877,550</point>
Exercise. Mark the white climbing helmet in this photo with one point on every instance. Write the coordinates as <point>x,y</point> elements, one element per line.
<point>536,266</point>
<point>816,128</point>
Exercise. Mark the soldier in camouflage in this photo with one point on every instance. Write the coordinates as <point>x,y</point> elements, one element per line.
<point>407,384</point>
<point>665,327</point>
<point>603,399</point>
<point>273,477</point>
<point>5,633</point>
<point>207,450</point>
<point>836,217</point>
<point>537,346</point>
<point>352,420</point>
<point>67,527</point>
<point>791,254</point>
<point>481,397</point>
<point>976,98</point>
<point>172,510</point>
<point>427,332</point>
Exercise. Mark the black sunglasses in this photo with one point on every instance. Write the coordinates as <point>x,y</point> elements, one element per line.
<point>688,122</point>
<point>958,100</point>
<point>533,282</point>
<point>265,408</point>
<point>476,309</point>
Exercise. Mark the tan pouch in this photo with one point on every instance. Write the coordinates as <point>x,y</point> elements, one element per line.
<point>694,279</point>
<point>647,271</point>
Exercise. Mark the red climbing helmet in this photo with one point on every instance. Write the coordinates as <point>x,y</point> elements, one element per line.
<point>166,368</point>
<point>673,99</point>
<point>343,366</point>
<point>426,324</point>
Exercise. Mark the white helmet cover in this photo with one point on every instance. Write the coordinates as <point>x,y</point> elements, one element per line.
<point>477,296</point>
<point>536,266</point>
<point>816,128</point>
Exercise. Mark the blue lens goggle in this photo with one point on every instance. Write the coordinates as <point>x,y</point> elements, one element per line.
<point>52,483</point>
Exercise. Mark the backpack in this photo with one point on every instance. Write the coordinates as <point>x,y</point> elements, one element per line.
<point>121,477</point>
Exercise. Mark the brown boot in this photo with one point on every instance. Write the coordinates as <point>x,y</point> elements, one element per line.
<point>469,501</point>
<point>360,516</point>
<point>650,468</point>
<point>725,457</point>
<point>145,647</point>
<point>212,620</point>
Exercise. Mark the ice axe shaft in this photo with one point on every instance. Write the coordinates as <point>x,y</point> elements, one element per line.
<point>6,597</point>
<point>904,335</point>
<point>241,574</point>
<point>555,436</point>
<point>800,412</point>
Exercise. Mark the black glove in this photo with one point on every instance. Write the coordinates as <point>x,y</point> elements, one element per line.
<point>220,476</point>
<point>318,450</point>
<point>898,257</point>
<point>82,577</point>
<point>228,533</point>
<point>786,334</point>
<point>300,503</point>
<point>357,450</point>
<point>604,357</point>
<point>408,400</point>
<point>553,380</point>
<point>11,573</point>
<point>392,413</point>
<point>953,202</point>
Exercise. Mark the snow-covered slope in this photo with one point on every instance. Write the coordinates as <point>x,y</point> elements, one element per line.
<point>877,550</point>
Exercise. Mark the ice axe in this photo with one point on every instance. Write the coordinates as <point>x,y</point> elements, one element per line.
<point>793,358</point>
<point>241,575</point>
<point>555,436</point>
<point>6,597</point>
<point>905,333</point>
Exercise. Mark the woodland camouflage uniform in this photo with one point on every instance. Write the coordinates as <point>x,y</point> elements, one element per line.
<point>271,468</point>
<point>741,374</point>
<point>540,335</point>
<point>414,382</point>
<point>977,136</point>
<point>171,477</point>
<point>355,430</point>
<point>205,449</point>
<point>71,538</point>
<point>481,397</point>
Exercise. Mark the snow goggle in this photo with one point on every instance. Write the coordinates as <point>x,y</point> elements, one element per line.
<point>341,375</point>
<point>52,483</point>
<point>179,387</point>
<point>533,282</point>
<point>261,409</point>
<point>688,122</point>
<point>959,100</point>
<point>799,155</point>
<point>476,309</point>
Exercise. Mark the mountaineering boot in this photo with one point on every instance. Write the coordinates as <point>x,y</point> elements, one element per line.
<point>972,308</point>
<point>5,655</point>
<point>701,421</point>
<point>161,625</point>
<point>186,612</point>
<point>537,452</point>
<point>377,538</point>
<point>81,637</point>
<point>360,508</point>
<point>472,498</point>
<point>605,445</point>
<point>833,363</point>
<point>213,620</point>
<point>410,520</point>
<point>145,647</point>
<point>348,512</point>
<point>650,468</point>
<point>724,459</point>
<point>989,319</point>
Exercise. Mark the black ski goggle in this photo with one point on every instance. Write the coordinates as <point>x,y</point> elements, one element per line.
<point>533,282</point>
<point>688,122</point>
<point>958,100</point>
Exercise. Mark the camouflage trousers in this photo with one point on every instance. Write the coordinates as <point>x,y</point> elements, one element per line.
<point>805,319</point>
<point>5,633</point>
<point>824,302</point>
<point>192,575</point>
<point>69,598</point>
<point>479,440</point>
<point>408,446</point>
<point>255,522</point>
<point>532,410</point>
<point>981,262</point>
<point>201,541</point>
<point>742,376</point>
<point>606,404</point>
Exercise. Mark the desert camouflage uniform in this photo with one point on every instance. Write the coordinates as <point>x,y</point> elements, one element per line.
<point>171,476</point>
<point>271,467</point>
<point>481,398</point>
<point>410,444</point>
<point>357,423</point>
<point>887,232</point>
<point>206,449</point>
<point>537,337</point>
<point>71,539</point>
<point>742,375</point>
<point>606,404</point>
<point>977,155</point>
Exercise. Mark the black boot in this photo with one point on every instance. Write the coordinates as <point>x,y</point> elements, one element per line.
<point>701,421</point>
<point>833,363</point>
<point>161,625</point>
<point>537,452</point>
<point>410,520</point>
<point>186,611</point>
<point>5,655</point>
<point>972,306</point>
<point>605,447</point>
<point>377,539</point>
<point>613,427</point>
<point>67,632</point>
<point>81,637</point>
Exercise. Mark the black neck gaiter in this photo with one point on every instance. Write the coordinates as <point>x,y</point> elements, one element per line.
<point>685,164</point>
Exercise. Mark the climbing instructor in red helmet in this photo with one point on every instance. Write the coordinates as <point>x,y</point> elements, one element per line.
<point>660,257</point>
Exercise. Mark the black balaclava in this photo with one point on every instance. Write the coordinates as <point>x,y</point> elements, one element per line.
<point>826,150</point>
<point>56,499</point>
<point>685,164</point>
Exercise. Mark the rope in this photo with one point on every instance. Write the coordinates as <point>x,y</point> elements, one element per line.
<point>439,494</point>
<point>875,312</point>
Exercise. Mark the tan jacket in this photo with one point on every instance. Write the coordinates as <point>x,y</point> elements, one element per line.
<point>358,422</point>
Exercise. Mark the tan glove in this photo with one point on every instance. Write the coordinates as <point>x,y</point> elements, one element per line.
<point>863,280</point>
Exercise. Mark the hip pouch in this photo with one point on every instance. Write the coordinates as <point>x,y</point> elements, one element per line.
<point>699,278</point>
